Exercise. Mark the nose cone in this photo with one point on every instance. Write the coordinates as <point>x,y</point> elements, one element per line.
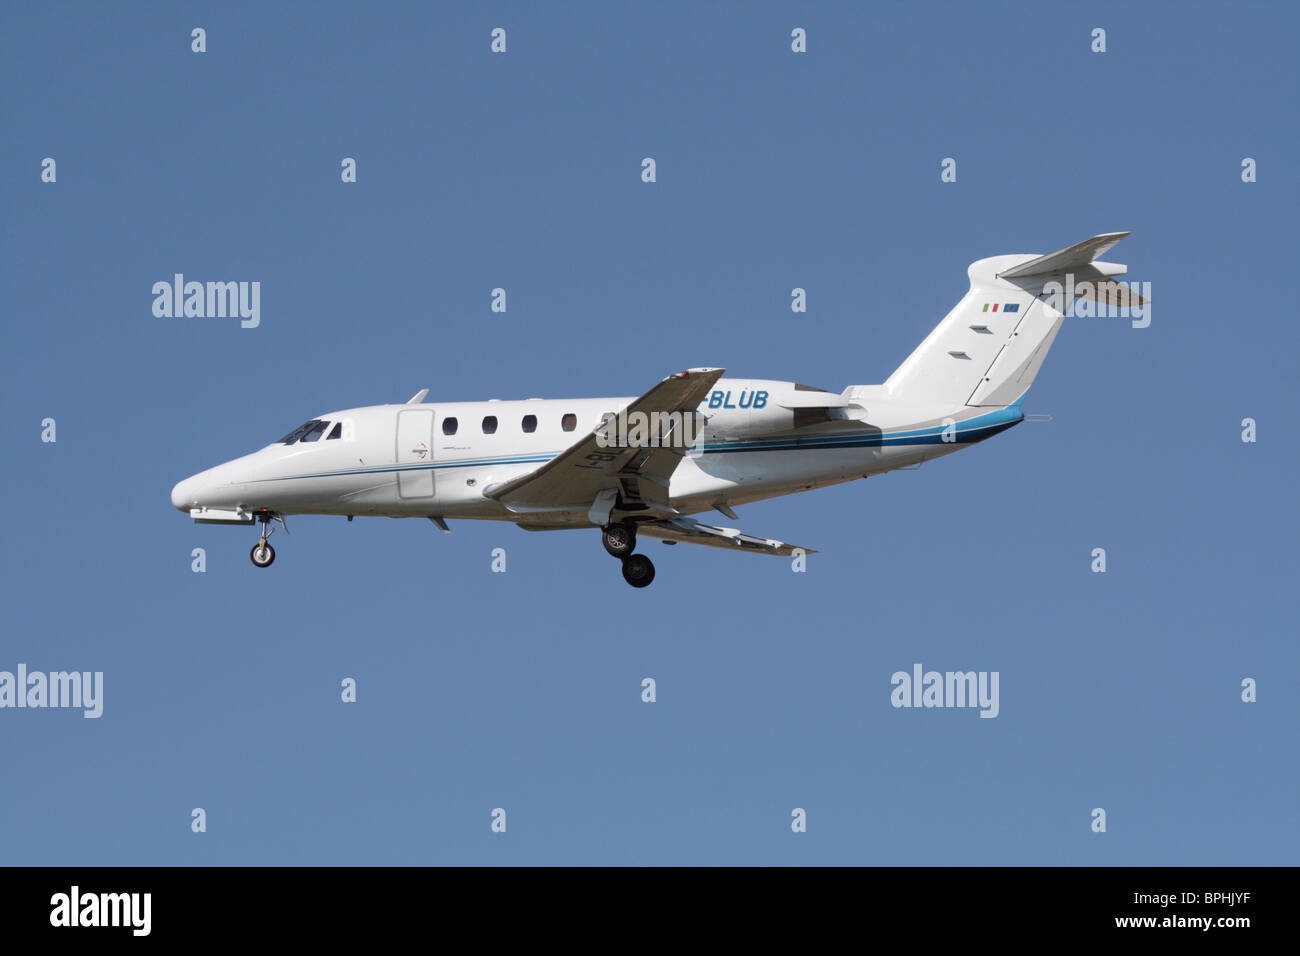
<point>220,487</point>
<point>183,495</point>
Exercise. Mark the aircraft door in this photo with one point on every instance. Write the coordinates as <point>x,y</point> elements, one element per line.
<point>415,453</point>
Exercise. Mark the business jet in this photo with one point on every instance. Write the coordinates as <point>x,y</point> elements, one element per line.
<point>694,443</point>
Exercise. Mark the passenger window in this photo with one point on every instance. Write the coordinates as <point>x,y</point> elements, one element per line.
<point>336,431</point>
<point>314,432</point>
<point>530,424</point>
<point>569,422</point>
<point>449,426</point>
<point>489,424</point>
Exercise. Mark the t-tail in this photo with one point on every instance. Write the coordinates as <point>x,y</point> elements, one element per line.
<point>987,351</point>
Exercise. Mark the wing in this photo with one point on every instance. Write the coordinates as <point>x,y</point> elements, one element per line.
<point>693,532</point>
<point>591,469</point>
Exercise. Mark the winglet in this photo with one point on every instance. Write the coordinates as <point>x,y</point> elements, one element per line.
<point>418,397</point>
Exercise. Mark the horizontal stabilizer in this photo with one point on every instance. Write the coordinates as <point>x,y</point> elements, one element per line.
<point>1113,294</point>
<point>1069,259</point>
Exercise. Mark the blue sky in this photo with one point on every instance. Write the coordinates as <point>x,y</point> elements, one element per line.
<point>522,690</point>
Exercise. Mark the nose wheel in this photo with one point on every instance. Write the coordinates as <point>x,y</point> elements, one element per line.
<point>263,554</point>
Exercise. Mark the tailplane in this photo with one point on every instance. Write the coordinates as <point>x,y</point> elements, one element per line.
<point>989,348</point>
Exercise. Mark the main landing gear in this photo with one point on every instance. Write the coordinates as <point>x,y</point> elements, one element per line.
<point>638,570</point>
<point>263,554</point>
<point>619,540</point>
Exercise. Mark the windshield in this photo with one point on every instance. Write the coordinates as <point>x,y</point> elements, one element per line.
<point>314,432</point>
<point>298,433</point>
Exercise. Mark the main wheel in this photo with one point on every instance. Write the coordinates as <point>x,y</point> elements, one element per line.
<point>619,539</point>
<point>638,570</point>
<point>262,555</point>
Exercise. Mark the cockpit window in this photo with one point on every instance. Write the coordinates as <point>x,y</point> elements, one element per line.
<point>313,433</point>
<point>298,432</point>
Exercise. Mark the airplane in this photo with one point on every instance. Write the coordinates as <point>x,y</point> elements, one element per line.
<point>694,443</point>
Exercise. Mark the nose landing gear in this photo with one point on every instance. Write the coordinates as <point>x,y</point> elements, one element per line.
<point>263,554</point>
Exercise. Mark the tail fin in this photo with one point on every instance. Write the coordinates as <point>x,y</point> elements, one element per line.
<point>989,348</point>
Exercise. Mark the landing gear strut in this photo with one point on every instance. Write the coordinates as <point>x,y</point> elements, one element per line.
<point>263,554</point>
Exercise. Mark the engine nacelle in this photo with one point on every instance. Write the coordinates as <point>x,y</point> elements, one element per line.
<point>743,408</point>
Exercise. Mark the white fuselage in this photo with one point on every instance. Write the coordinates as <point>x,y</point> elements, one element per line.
<point>762,439</point>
